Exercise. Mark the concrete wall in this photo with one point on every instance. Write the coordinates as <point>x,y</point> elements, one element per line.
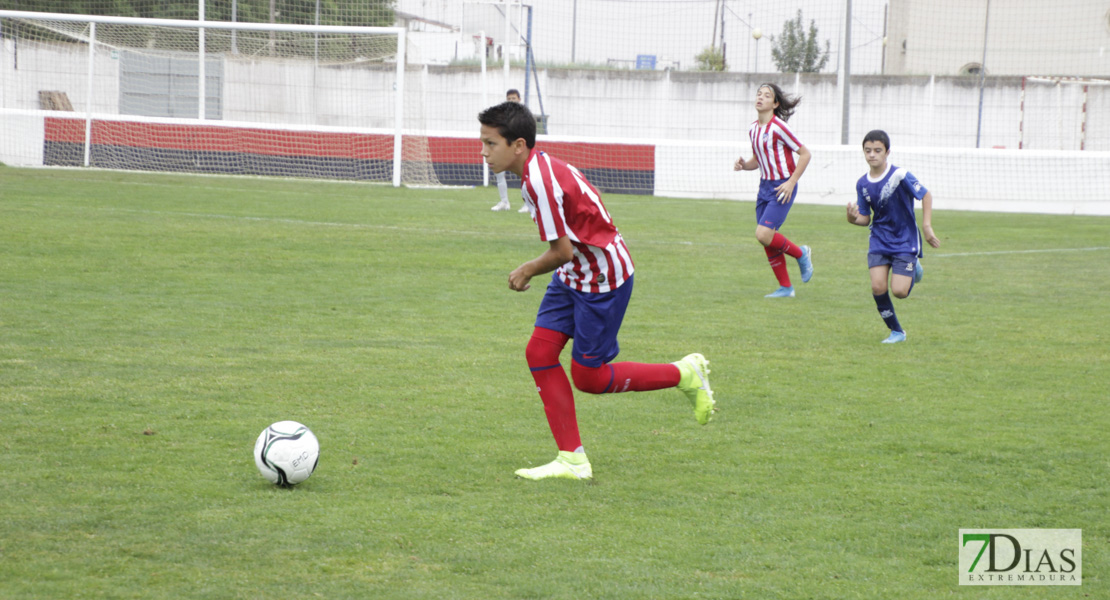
<point>1024,37</point>
<point>696,121</point>
<point>28,67</point>
<point>645,105</point>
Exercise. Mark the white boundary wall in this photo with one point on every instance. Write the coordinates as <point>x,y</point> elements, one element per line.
<point>1033,183</point>
<point>697,122</point>
<point>645,105</point>
<point>703,169</point>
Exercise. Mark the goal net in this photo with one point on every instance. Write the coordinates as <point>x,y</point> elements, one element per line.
<point>1054,111</point>
<point>644,96</point>
<point>240,98</point>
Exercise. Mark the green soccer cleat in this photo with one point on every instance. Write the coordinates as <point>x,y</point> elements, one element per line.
<point>694,382</point>
<point>568,465</point>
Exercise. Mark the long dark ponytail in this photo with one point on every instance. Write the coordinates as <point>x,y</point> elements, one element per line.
<point>787,104</point>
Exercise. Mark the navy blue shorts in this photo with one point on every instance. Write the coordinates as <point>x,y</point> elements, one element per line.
<point>769,212</point>
<point>593,320</point>
<point>900,264</point>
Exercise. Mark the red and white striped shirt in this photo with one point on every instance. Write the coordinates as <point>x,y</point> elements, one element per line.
<point>774,145</point>
<point>563,203</point>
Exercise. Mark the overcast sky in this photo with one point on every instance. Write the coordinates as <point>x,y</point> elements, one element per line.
<point>674,30</point>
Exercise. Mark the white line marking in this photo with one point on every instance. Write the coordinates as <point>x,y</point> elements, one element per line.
<point>1041,251</point>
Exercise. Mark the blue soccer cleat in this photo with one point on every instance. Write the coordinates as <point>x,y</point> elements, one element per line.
<point>805,263</point>
<point>918,271</point>
<point>782,292</point>
<point>895,337</point>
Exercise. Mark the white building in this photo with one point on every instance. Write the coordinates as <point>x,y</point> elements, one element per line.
<point>1023,37</point>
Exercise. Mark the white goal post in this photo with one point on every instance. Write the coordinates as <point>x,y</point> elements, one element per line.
<point>290,99</point>
<point>1057,106</point>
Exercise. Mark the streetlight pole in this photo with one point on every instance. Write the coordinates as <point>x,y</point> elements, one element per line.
<point>757,33</point>
<point>983,72</point>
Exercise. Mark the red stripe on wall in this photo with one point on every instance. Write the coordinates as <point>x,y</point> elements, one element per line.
<point>202,138</point>
<point>449,150</point>
<point>625,157</point>
<point>457,151</point>
<point>583,155</point>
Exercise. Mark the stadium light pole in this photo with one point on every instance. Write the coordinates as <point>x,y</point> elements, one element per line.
<point>844,78</point>
<point>757,33</point>
<point>528,58</point>
<point>747,24</point>
<point>982,72</point>
<point>505,44</point>
<point>724,56</point>
<point>573,30</point>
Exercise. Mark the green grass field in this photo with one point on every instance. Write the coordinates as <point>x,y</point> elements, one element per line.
<point>152,325</point>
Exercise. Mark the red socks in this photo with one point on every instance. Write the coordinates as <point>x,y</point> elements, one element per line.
<point>780,245</point>
<point>555,391</point>
<point>551,380</point>
<point>615,378</point>
<point>778,265</point>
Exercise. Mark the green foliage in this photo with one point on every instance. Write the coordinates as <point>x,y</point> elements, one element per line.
<point>710,59</point>
<point>365,13</point>
<point>326,48</point>
<point>795,51</point>
<point>152,325</point>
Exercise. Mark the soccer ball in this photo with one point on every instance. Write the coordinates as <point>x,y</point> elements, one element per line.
<point>286,453</point>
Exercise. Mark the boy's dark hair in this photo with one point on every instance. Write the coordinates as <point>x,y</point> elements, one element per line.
<point>878,135</point>
<point>512,120</point>
<point>786,103</point>
<point>511,92</point>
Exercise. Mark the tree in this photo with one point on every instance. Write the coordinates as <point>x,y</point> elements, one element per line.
<point>796,52</point>
<point>711,59</point>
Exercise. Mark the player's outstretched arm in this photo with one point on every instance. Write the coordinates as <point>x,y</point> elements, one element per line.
<point>927,220</point>
<point>558,253</point>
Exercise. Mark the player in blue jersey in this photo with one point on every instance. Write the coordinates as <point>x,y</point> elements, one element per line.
<point>884,201</point>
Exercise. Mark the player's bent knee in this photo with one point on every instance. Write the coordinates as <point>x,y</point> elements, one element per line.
<point>592,380</point>
<point>544,348</point>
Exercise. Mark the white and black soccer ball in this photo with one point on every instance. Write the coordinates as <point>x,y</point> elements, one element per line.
<point>286,453</point>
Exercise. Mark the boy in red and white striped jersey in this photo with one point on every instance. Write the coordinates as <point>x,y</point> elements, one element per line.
<point>586,297</point>
<point>773,148</point>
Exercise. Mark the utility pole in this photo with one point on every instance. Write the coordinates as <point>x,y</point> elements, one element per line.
<point>983,72</point>
<point>846,73</point>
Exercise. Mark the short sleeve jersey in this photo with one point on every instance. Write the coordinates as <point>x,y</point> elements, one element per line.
<point>889,200</point>
<point>564,203</point>
<point>774,145</point>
